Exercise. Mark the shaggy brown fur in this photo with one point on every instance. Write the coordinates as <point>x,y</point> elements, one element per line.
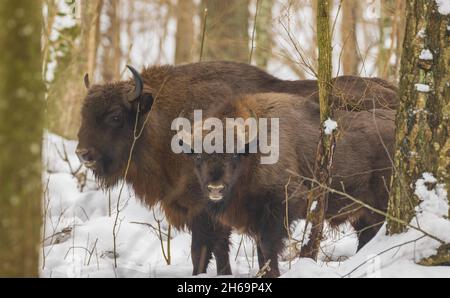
<point>157,174</point>
<point>254,194</point>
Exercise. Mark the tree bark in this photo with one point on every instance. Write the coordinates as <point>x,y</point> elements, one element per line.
<point>185,40</point>
<point>227,36</point>
<point>350,55</point>
<point>423,119</point>
<point>112,53</point>
<point>66,92</point>
<point>21,129</point>
<point>263,50</point>
<point>387,25</point>
<point>317,197</point>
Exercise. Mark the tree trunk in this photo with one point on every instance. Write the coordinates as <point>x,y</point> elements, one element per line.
<point>387,30</point>
<point>399,34</point>
<point>263,50</point>
<point>21,129</point>
<point>52,10</point>
<point>185,41</point>
<point>317,197</point>
<point>67,90</point>
<point>112,53</point>
<point>350,53</point>
<point>227,35</point>
<point>423,119</point>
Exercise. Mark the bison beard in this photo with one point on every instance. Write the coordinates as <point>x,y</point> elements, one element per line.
<point>158,175</point>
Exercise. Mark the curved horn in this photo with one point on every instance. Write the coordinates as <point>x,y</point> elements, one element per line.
<point>86,81</point>
<point>139,85</point>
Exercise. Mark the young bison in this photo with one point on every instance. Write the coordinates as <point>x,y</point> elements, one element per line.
<point>156,173</point>
<point>250,197</point>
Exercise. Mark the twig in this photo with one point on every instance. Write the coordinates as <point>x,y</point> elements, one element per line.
<point>161,241</point>
<point>286,222</point>
<point>266,268</point>
<point>253,33</point>
<point>136,137</point>
<point>205,17</point>
<point>383,252</point>
<point>150,226</point>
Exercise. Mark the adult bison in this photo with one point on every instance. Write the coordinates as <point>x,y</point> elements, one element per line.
<point>152,99</point>
<point>247,195</point>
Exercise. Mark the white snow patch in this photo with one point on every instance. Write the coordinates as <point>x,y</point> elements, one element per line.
<point>423,88</point>
<point>426,55</point>
<point>313,206</point>
<point>443,6</point>
<point>78,223</point>
<point>395,256</point>
<point>422,33</point>
<point>330,126</point>
<point>433,195</point>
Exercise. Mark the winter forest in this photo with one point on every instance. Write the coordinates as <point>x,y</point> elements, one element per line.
<point>103,175</point>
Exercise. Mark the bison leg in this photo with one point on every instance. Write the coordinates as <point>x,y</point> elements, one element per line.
<point>209,238</point>
<point>268,252</point>
<point>269,247</point>
<point>221,251</point>
<point>261,260</point>
<point>201,245</point>
<point>367,227</point>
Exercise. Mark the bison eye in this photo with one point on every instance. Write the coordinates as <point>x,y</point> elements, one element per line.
<point>114,120</point>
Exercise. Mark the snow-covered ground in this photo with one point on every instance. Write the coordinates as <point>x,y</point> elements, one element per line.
<point>79,223</point>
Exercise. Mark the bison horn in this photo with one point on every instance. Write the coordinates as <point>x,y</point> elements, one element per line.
<point>86,81</point>
<point>139,85</point>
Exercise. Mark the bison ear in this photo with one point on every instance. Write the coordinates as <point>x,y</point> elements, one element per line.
<point>145,103</point>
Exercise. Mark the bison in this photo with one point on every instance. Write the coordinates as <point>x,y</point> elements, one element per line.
<point>111,113</point>
<point>248,196</point>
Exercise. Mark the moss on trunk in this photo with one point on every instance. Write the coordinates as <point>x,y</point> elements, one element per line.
<point>21,128</point>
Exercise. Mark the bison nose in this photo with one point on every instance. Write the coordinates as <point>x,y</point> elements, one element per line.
<point>216,192</point>
<point>216,188</point>
<point>84,155</point>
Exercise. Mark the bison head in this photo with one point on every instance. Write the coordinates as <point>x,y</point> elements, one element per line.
<point>218,173</point>
<point>108,123</point>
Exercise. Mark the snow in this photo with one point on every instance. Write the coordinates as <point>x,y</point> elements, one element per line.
<point>443,6</point>
<point>78,239</point>
<point>432,194</point>
<point>423,88</point>
<point>330,126</point>
<point>422,33</point>
<point>426,55</point>
<point>313,206</point>
<point>395,256</point>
